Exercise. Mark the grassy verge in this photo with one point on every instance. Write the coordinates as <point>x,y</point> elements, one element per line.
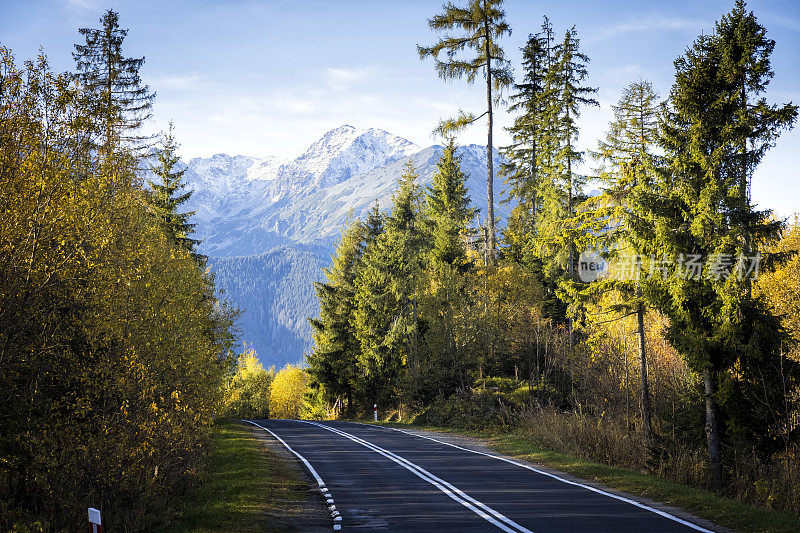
<point>722,511</point>
<point>244,486</point>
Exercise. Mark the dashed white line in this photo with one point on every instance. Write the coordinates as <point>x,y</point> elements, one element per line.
<point>335,516</point>
<point>548,474</point>
<point>484,511</point>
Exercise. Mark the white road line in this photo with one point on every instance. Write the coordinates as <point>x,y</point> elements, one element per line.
<point>548,474</point>
<point>322,486</point>
<point>484,511</point>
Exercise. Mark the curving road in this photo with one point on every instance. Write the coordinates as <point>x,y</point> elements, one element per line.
<point>382,479</point>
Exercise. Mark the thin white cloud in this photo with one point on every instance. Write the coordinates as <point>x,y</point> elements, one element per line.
<point>183,82</point>
<point>342,78</point>
<point>648,24</point>
<point>82,5</point>
<point>775,19</point>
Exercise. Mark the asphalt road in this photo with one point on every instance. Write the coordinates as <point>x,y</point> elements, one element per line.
<point>381,479</point>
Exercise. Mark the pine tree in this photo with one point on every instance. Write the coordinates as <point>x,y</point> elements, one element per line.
<point>696,208</point>
<point>167,196</point>
<point>483,25</point>
<point>118,101</point>
<point>449,209</point>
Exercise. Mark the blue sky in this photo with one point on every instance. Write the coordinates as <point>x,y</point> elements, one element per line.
<point>269,77</point>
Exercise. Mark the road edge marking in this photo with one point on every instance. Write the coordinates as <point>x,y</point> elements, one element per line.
<point>481,509</point>
<point>335,516</point>
<point>659,512</point>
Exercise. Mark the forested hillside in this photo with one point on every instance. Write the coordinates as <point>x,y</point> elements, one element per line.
<point>275,293</point>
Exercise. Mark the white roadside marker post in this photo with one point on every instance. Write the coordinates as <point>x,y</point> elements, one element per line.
<point>95,524</point>
<point>375,411</point>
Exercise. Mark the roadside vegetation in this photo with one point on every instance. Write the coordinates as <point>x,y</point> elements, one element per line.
<point>243,487</point>
<point>113,343</point>
<point>680,360</point>
<point>253,392</point>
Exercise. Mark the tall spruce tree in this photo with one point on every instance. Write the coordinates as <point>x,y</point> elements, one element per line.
<point>333,364</point>
<point>373,225</point>
<point>521,166</point>
<point>386,316</point>
<point>571,70</point>
<point>118,101</point>
<point>483,24</point>
<point>560,186</point>
<point>449,209</point>
<point>167,196</point>
<point>444,361</point>
<point>697,208</point>
<point>529,160</point>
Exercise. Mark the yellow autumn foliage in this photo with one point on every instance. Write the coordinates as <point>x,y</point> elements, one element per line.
<point>781,288</point>
<point>113,347</point>
<point>247,392</point>
<point>287,394</point>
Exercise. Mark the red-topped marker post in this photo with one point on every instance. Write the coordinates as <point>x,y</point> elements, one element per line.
<point>375,411</point>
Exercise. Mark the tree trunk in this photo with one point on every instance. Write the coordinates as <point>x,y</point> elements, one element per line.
<point>490,163</point>
<point>646,426</point>
<point>415,361</point>
<point>571,252</point>
<point>712,430</point>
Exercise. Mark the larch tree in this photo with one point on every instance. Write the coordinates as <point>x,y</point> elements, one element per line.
<point>482,24</point>
<point>628,162</point>
<point>697,210</point>
<point>118,102</point>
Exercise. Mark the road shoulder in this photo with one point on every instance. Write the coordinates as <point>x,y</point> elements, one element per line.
<point>304,509</point>
<point>251,483</point>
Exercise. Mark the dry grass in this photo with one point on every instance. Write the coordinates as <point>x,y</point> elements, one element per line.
<point>750,479</point>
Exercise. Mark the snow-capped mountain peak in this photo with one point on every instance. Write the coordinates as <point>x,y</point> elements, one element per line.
<point>246,205</point>
<point>342,153</point>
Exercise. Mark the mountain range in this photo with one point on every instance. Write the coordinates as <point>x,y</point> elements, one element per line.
<point>270,225</point>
